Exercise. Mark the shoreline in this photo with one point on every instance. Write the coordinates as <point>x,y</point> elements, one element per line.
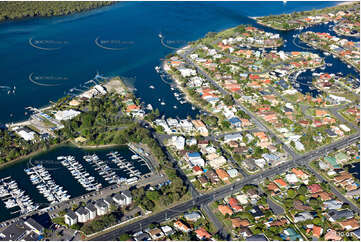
<point>55,146</point>
<point>333,53</point>
<point>26,18</point>
<point>338,4</point>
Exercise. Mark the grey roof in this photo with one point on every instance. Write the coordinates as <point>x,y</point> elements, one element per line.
<point>101,204</point>
<point>142,237</point>
<point>34,224</point>
<point>71,214</point>
<point>91,207</point>
<point>82,211</point>
<point>15,231</point>
<point>127,193</point>
<point>119,197</point>
<point>256,212</point>
<point>109,200</point>
<point>257,237</point>
<point>340,214</point>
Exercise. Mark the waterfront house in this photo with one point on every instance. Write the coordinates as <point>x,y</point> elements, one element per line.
<point>70,218</point>
<point>83,215</point>
<point>200,127</point>
<point>341,157</point>
<point>102,207</point>
<point>66,114</point>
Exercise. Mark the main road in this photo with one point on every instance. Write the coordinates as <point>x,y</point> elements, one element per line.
<point>229,189</point>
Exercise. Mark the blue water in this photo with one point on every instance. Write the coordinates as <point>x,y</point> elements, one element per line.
<point>135,25</point>
<point>61,175</point>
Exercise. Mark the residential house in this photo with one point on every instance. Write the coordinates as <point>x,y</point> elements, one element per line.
<point>82,214</point>
<point>102,207</point>
<point>202,234</point>
<point>303,216</point>
<point>256,212</point>
<point>181,226</point>
<point>233,203</point>
<point>224,209</point>
<point>335,215</point>
<point>280,183</point>
<point>332,235</point>
<point>70,218</point>
<point>222,174</point>
<point>167,230</point>
<point>237,222</point>
<point>92,211</point>
<point>156,234</point>
<point>194,216</point>
<point>350,224</point>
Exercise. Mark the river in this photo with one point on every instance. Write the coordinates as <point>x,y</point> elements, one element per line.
<point>61,53</point>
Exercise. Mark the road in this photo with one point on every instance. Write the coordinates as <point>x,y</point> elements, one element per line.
<point>254,119</point>
<point>195,194</point>
<point>229,189</point>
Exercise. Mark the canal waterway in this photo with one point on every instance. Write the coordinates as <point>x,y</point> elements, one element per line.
<point>62,53</point>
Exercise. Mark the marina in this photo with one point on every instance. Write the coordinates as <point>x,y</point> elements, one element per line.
<point>103,169</point>
<point>132,172</point>
<point>14,197</point>
<point>144,71</point>
<point>79,173</point>
<point>43,181</point>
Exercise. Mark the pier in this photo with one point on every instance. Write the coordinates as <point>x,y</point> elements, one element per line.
<point>14,197</point>
<point>46,185</point>
<point>103,169</point>
<point>79,173</point>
